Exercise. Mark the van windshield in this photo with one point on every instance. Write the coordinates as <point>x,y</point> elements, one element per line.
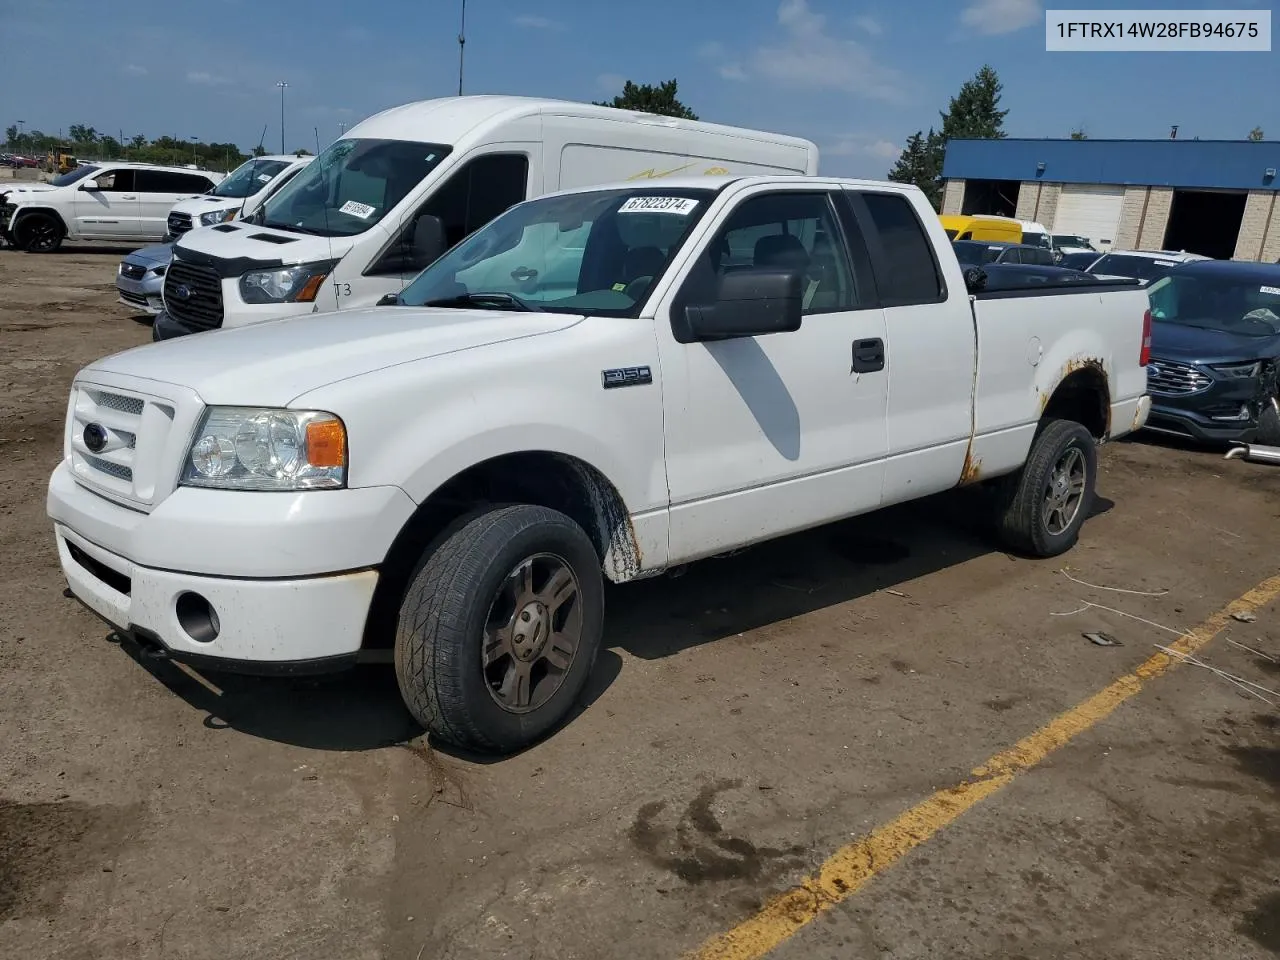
<point>350,186</point>
<point>597,252</point>
<point>248,178</point>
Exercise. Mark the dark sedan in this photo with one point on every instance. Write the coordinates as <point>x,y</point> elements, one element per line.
<point>978,253</point>
<point>1215,352</point>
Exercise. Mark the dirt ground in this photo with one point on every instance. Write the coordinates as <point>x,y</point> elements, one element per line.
<point>747,719</point>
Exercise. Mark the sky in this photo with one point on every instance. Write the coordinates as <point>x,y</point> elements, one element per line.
<point>856,77</point>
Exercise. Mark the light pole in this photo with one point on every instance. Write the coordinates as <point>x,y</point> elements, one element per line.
<point>20,123</point>
<point>195,145</point>
<point>462,44</point>
<point>282,85</point>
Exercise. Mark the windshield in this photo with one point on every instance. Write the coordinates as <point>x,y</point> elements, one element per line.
<point>79,173</point>
<point>971,251</point>
<point>249,178</point>
<point>1139,268</point>
<point>350,186</point>
<point>1231,304</point>
<point>592,253</point>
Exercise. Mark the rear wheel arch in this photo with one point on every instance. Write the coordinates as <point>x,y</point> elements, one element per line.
<point>1082,395</point>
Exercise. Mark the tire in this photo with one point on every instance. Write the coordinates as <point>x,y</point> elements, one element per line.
<point>39,233</point>
<point>1027,521</point>
<point>469,602</point>
<point>1268,432</point>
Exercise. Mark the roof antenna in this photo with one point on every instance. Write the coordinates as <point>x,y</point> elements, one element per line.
<point>462,44</point>
<point>262,139</point>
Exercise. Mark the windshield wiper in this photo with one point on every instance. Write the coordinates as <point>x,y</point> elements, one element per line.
<point>488,301</point>
<point>294,228</point>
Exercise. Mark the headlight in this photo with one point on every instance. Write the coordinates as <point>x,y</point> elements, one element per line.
<point>1239,371</point>
<point>251,448</point>
<point>217,216</point>
<point>298,284</point>
<point>160,270</point>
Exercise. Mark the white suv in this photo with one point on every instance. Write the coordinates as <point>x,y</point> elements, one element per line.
<point>98,201</point>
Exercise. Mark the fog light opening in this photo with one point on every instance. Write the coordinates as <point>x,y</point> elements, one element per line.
<point>197,617</point>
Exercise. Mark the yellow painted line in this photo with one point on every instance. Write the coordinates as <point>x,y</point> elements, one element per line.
<point>853,866</point>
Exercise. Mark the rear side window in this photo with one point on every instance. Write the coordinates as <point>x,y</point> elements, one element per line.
<point>906,269</point>
<point>164,181</point>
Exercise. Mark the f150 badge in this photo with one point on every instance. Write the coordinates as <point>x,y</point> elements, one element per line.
<point>625,377</point>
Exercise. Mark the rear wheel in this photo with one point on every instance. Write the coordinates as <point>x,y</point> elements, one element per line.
<point>1043,506</point>
<point>1269,424</point>
<point>39,233</point>
<point>499,628</point>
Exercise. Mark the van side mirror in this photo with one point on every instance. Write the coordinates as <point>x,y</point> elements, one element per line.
<point>428,240</point>
<point>748,303</point>
<point>388,300</point>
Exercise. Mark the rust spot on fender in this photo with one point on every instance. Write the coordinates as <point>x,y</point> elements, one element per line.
<point>971,472</point>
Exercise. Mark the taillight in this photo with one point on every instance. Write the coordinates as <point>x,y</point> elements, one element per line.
<point>1144,357</point>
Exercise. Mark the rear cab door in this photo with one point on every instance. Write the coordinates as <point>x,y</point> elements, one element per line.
<point>930,341</point>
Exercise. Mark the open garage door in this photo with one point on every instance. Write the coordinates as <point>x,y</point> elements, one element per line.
<point>1089,210</point>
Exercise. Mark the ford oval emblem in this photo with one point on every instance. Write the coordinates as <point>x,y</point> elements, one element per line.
<point>95,437</point>
<point>182,292</point>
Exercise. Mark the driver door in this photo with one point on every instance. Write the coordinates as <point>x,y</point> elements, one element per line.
<point>110,210</point>
<point>771,434</point>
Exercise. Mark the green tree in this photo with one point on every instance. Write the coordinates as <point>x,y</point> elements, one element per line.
<point>11,134</point>
<point>921,164</point>
<point>974,113</point>
<point>110,147</point>
<point>138,142</point>
<point>647,98</point>
<point>259,151</point>
<point>304,152</point>
<point>1256,134</point>
<point>82,135</point>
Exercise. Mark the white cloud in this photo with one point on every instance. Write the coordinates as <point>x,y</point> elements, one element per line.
<point>870,24</point>
<point>611,82</point>
<point>133,70</point>
<point>712,50</point>
<point>732,71</point>
<point>1000,16</point>
<point>861,145</point>
<point>811,56</point>
<point>532,22</point>
<point>206,79</point>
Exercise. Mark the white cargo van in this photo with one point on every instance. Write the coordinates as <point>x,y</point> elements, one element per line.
<point>238,195</point>
<point>401,187</point>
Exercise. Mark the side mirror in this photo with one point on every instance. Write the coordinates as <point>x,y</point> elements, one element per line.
<point>388,300</point>
<point>89,185</point>
<point>975,279</point>
<point>428,241</point>
<point>749,303</point>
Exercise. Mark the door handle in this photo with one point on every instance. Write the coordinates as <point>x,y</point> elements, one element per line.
<point>129,196</point>
<point>868,356</point>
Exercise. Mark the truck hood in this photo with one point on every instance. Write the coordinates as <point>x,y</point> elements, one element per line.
<point>268,364</point>
<point>204,203</point>
<point>239,240</point>
<point>1176,341</point>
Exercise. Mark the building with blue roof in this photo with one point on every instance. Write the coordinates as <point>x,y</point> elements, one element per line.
<point>1213,197</point>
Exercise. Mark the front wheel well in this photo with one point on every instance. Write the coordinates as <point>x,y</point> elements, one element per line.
<point>24,212</point>
<point>1084,397</point>
<point>540,478</point>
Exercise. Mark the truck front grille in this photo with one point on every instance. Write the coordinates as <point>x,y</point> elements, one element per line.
<point>193,295</point>
<point>1170,378</point>
<point>114,467</point>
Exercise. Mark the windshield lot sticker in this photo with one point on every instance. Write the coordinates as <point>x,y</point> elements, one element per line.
<point>1274,291</point>
<point>681,206</point>
<point>361,210</point>
<point>264,177</point>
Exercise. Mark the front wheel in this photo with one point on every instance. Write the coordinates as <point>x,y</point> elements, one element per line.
<point>1268,433</point>
<point>39,233</point>
<point>1043,506</point>
<point>499,628</point>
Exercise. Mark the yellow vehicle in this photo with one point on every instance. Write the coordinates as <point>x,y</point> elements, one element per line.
<point>60,161</point>
<point>982,228</point>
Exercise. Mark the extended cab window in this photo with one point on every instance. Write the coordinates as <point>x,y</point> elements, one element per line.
<point>906,270</point>
<point>788,230</point>
<point>475,194</point>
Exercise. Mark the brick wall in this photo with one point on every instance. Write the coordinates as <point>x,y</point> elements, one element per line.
<point>1048,205</point>
<point>1131,211</point>
<point>953,197</point>
<point>1259,228</point>
<point>1156,221</point>
<point>1028,193</point>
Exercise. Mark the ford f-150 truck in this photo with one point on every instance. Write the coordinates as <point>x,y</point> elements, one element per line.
<point>603,383</point>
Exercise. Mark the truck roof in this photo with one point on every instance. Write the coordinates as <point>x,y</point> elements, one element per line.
<point>448,119</point>
<point>714,182</point>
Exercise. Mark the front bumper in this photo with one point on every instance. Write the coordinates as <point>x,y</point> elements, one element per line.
<point>144,294</point>
<point>1182,422</point>
<point>264,570</point>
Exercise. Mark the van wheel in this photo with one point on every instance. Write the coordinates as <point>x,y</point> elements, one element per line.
<point>39,233</point>
<point>1044,505</point>
<point>499,628</point>
<point>1268,433</point>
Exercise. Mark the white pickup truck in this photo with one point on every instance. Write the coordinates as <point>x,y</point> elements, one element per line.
<point>604,383</point>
